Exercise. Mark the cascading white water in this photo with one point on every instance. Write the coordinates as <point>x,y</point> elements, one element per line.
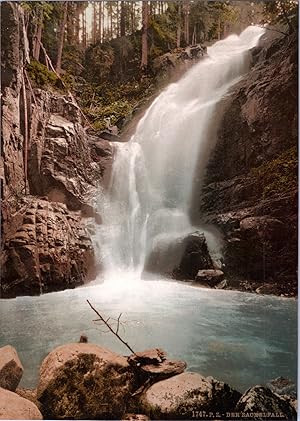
<point>147,204</point>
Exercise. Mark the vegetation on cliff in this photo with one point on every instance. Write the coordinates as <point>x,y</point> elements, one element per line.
<point>105,51</point>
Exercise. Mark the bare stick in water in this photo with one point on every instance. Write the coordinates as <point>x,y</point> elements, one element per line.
<point>114,332</point>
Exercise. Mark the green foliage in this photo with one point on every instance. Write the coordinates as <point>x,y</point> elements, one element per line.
<point>34,8</point>
<point>98,61</point>
<point>279,175</point>
<point>282,12</point>
<point>111,99</point>
<point>39,74</point>
<point>116,111</point>
<point>72,60</point>
<point>162,33</point>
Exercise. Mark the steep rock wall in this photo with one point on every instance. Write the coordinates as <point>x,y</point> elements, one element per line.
<point>45,244</point>
<point>250,190</point>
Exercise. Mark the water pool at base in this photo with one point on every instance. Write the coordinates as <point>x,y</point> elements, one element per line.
<point>240,338</point>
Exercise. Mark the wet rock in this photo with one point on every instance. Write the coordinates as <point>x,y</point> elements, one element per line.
<point>150,356</point>
<point>52,254</point>
<point>82,372</point>
<point>153,364</point>
<point>282,386</point>
<point>223,284</point>
<point>195,256</point>
<point>262,399</point>
<point>14,407</point>
<point>248,192</point>
<point>209,277</point>
<point>11,369</point>
<point>268,289</point>
<point>108,135</point>
<point>180,396</point>
<point>62,163</point>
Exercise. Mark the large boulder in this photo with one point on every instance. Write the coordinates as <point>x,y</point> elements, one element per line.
<point>60,163</point>
<point>195,256</point>
<point>186,394</point>
<point>48,250</point>
<point>261,399</point>
<point>182,257</point>
<point>14,407</point>
<point>84,381</point>
<point>209,277</point>
<point>11,368</point>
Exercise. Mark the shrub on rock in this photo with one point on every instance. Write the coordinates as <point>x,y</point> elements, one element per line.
<point>84,381</point>
<point>14,407</point>
<point>11,368</point>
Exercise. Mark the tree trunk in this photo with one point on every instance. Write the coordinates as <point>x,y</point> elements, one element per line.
<point>145,22</point>
<point>111,21</point>
<point>100,21</point>
<point>219,28</point>
<point>77,24</point>
<point>84,35</point>
<point>71,23</point>
<point>132,17</point>
<point>123,20</point>
<point>194,36</point>
<point>38,37</point>
<point>61,38</point>
<point>94,26</point>
<point>186,22</point>
<point>178,35</point>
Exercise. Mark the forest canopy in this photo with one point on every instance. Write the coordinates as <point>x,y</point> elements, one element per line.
<point>103,50</point>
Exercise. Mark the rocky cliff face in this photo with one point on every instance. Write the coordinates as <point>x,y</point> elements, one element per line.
<point>250,191</point>
<point>50,171</point>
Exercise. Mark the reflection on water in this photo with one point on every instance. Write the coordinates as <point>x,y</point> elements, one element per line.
<point>236,337</point>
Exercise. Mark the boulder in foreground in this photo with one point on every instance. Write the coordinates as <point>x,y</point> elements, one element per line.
<point>11,368</point>
<point>180,397</point>
<point>14,407</point>
<point>84,381</point>
<point>262,399</point>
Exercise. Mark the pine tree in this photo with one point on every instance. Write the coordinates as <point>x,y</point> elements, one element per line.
<point>145,23</point>
<point>61,37</point>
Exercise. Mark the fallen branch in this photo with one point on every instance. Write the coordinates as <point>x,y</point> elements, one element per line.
<point>110,329</point>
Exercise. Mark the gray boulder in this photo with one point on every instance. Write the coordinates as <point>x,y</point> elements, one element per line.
<point>14,407</point>
<point>84,381</point>
<point>11,368</point>
<point>180,397</point>
<point>261,399</point>
<point>209,277</point>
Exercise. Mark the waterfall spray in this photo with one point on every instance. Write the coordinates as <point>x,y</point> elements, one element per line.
<point>148,202</point>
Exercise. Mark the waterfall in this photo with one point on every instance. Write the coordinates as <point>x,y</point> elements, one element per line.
<point>147,204</point>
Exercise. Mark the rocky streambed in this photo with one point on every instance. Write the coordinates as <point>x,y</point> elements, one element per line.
<point>86,381</point>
